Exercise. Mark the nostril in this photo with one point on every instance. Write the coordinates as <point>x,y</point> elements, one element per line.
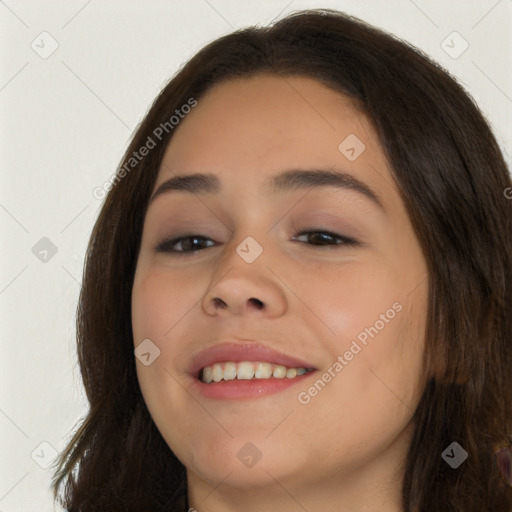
<point>219,303</point>
<point>258,303</point>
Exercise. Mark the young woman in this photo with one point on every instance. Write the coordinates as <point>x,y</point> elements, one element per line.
<point>297,295</point>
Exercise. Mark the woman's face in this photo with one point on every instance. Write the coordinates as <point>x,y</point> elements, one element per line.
<point>288,267</point>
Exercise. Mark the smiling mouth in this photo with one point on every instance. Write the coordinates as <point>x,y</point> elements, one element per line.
<point>248,370</point>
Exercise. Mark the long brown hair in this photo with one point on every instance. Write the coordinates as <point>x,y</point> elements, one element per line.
<point>453,180</point>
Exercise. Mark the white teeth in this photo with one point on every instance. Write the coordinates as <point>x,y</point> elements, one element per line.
<point>217,372</point>
<point>230,371</point>
<point>207,374</point>
<point>247,370</point>
<point>279,372</point>
<point>291,373</point>
<point>263,371</point>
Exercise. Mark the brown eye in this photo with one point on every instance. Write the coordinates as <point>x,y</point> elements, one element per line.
<point>326,238</point>
<point>184,245</point>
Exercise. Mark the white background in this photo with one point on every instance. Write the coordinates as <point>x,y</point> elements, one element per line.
<point>65,122</point>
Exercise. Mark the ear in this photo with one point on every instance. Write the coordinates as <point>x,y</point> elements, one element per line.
<point>504,464</point>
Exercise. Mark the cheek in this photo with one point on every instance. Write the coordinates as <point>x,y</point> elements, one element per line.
<point>377,335</point>
<point>159,301</point>
<point>356,299</point>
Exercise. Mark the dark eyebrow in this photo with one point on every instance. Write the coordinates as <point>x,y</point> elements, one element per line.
<point>298,179</point>
<point>289,180</point>
<point>193,183</point>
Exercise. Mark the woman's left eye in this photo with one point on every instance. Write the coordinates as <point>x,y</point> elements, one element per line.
<point>327,238</point>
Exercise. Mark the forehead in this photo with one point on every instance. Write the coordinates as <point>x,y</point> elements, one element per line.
<point>246,130</point>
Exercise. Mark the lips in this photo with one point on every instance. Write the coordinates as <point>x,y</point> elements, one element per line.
<point>240,351</point>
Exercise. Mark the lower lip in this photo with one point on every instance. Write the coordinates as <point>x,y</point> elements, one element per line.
<point>246,389</point>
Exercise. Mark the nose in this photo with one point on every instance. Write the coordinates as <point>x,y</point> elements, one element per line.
<point>241,288</point>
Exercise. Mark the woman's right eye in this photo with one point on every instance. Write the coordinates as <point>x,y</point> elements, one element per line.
<point>188,244</point>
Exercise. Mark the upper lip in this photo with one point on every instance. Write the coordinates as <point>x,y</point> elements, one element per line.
<point>243,351</point>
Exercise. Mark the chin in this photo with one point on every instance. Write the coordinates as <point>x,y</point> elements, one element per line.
<point>241,463</point>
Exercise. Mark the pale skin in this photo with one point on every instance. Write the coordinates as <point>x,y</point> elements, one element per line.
<point>345,449</point>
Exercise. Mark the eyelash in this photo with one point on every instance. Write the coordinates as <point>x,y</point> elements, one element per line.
<point>167,244</point>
